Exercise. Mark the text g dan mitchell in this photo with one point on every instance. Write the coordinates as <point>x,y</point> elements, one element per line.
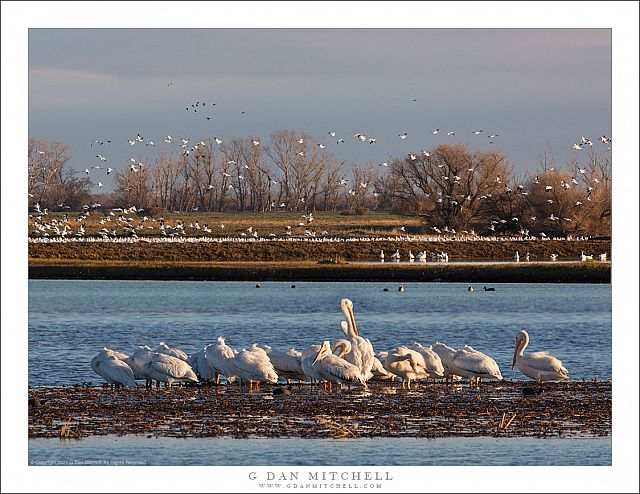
<point>321,476</point>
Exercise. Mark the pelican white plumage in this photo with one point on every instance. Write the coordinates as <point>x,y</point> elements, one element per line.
<point>137,360</point>
<point>335,369</point>
<point>115,371</point>
<point>308,356</point>
<point>539,366</point>
<point>378,370</point>
<point>406,364</point>
<point>174,352</point>
<point>446,354</point>
<point>220,356</point>
<point>474,365</point>
<point>202,368</point>
<point>253,365</point>
<point>361,354</point>
<point>432,360</point>
<point>286,364</point>
<point>168,369</point>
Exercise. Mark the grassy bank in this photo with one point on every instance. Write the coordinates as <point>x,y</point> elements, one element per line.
<point>290,271</point>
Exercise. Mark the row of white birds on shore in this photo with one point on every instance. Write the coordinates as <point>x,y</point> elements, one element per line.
<point>350,360</point>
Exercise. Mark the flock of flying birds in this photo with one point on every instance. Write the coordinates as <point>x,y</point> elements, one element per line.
<point>350,360</point>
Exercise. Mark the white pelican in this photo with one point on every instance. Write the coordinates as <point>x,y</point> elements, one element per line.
<point>361,354</point>
<point>202,368</point>
<point>168,369</point>
<point>141,356</point>
<point>539,366</point>
<point>446,354</point>
<point>253,365</point>
<point>286,364</point>
<point>342,346</point>
<point>378,370</point>
<point>432,360</point>
<point>406,364</point>
<point>335,369</point>
<point>220,357</point>
<point>475,365</point>
<point>111,368</point>
<point>174,352</point>
<point>307,363</point>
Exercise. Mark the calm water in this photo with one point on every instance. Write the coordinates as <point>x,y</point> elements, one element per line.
<point>321,452</point>
<point>70,321</point>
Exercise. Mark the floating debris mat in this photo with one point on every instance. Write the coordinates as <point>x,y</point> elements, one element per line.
<point>510,409</point>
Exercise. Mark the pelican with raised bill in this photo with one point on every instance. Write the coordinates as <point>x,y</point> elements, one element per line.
<point>539,366</point>
<point>361,354</point>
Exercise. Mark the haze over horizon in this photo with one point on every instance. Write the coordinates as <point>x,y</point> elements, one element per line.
<point>536,88</point>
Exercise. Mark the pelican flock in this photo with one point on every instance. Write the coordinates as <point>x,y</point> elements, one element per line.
<point>350,360</point>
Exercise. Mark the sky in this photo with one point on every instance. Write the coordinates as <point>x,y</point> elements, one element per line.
<point>536,88</point>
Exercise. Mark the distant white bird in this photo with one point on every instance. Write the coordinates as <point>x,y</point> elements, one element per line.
<point>413,157</point>
<point>426,153</point>
<point>402,136</point>
<point>492,136</point>
<point>99,184</point>
<point>451,133</point>
<point>301,140</point>
<point>475,365</point>
<point>476,132</point>
<point>321,146</point>
<point>332,133</point>
<point>256,143</point>
<point>101,158</point>
<point>539,366</point>
<point>109,170</point>
<point>435,131</point>
<point>576,146</point>
<point>168,139</point>
<point>218,140</point>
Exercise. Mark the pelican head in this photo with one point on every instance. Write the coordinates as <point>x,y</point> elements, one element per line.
<point>522,340</point>
<point>347,308</point>
<point>324,349</point>
<point>341,346</point>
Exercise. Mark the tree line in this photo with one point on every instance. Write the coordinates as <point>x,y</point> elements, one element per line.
<point>451,187</point>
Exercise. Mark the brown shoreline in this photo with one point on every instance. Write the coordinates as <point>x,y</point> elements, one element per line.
<point>580,408</point>
<point>300,271</point>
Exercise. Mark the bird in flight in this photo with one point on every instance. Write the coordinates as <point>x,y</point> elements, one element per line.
<point>402,136</point>
<point>576,146</point>
<point>332,133</point>
<point>476,132</point>
<point>451,133</point>
<point>256,143</point>
<point>435,131</point>
<point>170,84</point>
<point>218,140</point>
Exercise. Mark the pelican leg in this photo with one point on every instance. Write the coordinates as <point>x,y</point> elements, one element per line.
<point>217,379</point>
<point>409,383</point>
<point>330,386</point>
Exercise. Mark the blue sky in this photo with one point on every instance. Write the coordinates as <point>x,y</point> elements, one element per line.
<point>536,88</point>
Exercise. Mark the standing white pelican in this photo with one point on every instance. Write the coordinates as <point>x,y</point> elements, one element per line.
<point>406,364</point>
<point>378,370</point>
<point>174,352</point>
<point>253,365</point>
<point>335,369</point>
<point>446,354</point>
<point>341,347</point>
<point>432,360</point>
<point>140,357</point>
<point>202,368</point>
<point>307,363</point>
<point>168,369</point>
<point>475,365</point>
<point>361,354</point>
<point>539,366</point>
<point>220,356</point>
<point>286,364</point>
<point>111,368</point>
